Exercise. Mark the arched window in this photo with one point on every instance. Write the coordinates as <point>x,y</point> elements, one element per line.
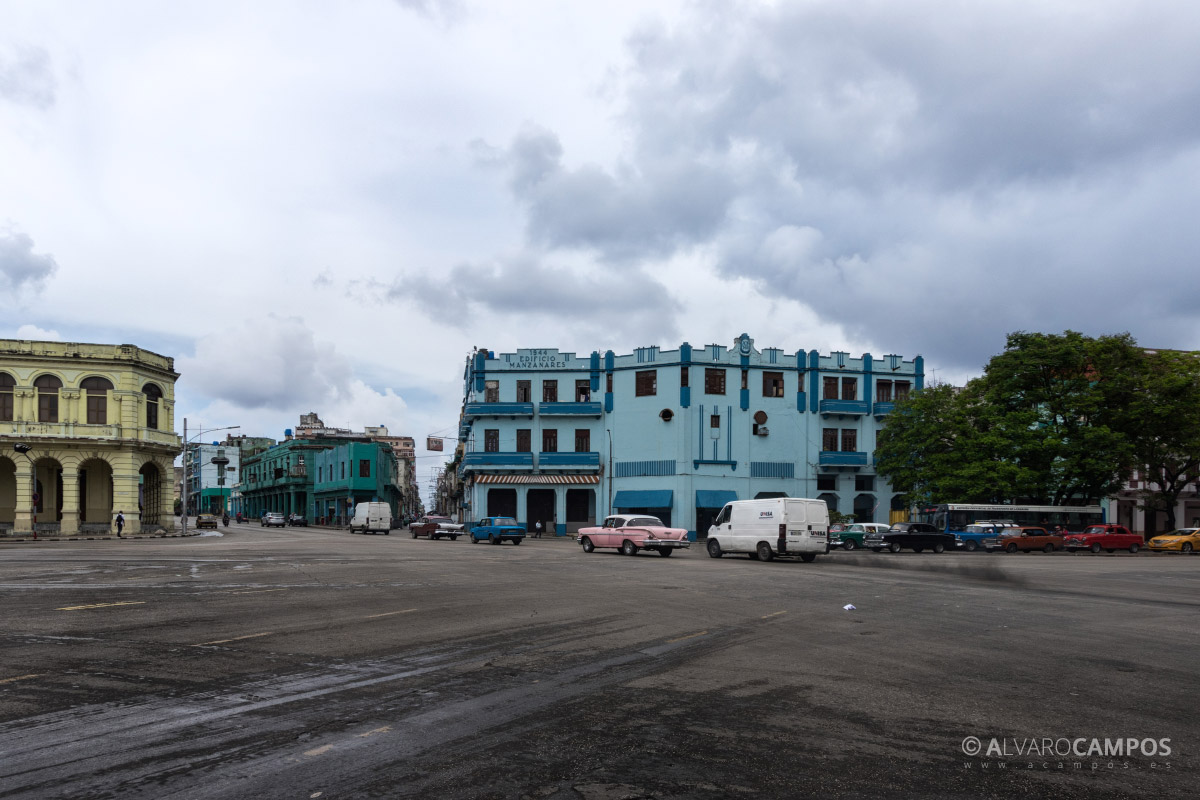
<point>6,396</point>
<point>153,395</point>
<point>47,393</point>
<point>97,399</point>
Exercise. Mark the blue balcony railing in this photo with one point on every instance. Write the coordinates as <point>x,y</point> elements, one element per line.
<point>497,460</point>
<point>568,461</point>
<point>570,409</point>
<point>498,410</point>
<point>850,407</point>
<point>882,408</point>
<point>842,458</point>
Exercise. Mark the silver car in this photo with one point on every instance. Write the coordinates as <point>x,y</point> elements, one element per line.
<point>272,519</point>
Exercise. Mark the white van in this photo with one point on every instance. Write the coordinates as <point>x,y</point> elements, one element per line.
<point>778,526</point>
<point>372,518</point>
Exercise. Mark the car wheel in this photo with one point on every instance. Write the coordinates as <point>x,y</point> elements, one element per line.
<point>918,549</point>
<point>1096,548</point>
<point>628,548</point>
<point>808,558</point>
<point>517,540</point>
<point>1133,548</point>
<point>849,544</point>
<point>1186,547</point>
<point>473,539</point>
<point>588,547</point>
<point>714,549</point>
<point>666,551</point>
<point>764,552</point>
<point>492,539</point>
<point>895,547</point>
<point>1012,548</point>
<point>454,538</point>
<point>414,534</point>
<point>939,548</point>
<point>1048,548</point>
<point>972,546</point>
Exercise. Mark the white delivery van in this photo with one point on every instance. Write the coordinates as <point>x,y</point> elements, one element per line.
<point>372,518</point>
<point>778,526</point>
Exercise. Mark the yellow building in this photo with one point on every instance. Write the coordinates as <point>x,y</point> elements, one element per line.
<point>86,431</point>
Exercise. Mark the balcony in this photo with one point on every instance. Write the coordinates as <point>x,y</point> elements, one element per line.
<point>883,408</point>
<point>473,410</point>
<point>497,461</point>
<point>851,408</point>
<point>588,409</point>
<point>842,458</point>
<point>568,460</point>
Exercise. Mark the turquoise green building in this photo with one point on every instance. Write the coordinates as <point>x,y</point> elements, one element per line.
<point>352,473</point>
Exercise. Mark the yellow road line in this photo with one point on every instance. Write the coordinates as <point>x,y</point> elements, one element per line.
<point>102,605</point>
<point>776,614</point>
<point>236,638</point>
<point>317,751</point>
<point>384,729</point>
<point>258,591</point>
<point>689,636</point>
<point>21,677</point>
<point>390,613</point>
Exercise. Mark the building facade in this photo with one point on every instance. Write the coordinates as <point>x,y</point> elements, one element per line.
<point>677,433</point>
<point>210,486</point>
<point>352,473</point>
<point>86,431</point>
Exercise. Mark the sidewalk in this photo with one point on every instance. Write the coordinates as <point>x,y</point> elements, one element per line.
<point>95,537</point>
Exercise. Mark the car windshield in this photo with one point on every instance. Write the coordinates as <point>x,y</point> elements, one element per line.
<point>1095,529</point>
<point>504,521</point>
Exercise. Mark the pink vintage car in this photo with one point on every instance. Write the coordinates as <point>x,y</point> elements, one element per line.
<point>630,533</point>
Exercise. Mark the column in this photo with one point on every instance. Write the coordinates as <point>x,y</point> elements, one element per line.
<point>560,511</point>
<point>125,492</point>
<point>522,505</point>
<point>70,510</point>
<point>23,522</point>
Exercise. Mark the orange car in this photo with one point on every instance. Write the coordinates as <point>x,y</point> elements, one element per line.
<point>1026,539</point>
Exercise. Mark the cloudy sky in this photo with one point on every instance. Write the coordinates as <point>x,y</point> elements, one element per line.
<point>319,206</point>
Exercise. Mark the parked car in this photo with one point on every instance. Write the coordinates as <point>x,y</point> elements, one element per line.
<point>980,536</point>
<point>1185,540</point>
<point>297,519</point>
<point>1028,539</point>
<point>206,521</point>
<point>272,519</point>
<point>850,537</point>
<point>496,530</point>
<point>915,536</point>
<point>629,533</point>
<point>436,526</point>
<point>1105,536</point>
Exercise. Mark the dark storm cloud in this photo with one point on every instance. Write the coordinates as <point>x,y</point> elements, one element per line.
<point>20,267</point>
<point>26,77</point>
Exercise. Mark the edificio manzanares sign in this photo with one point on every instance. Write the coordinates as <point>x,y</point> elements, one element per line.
<point>540,359</point>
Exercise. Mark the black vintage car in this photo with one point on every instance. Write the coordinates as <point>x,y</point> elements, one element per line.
<point>915,536</point>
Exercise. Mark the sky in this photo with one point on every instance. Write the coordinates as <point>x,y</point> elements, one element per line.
<point>325,207</point>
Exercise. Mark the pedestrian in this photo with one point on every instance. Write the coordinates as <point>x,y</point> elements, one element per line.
<point>537,530</point>
<point>120,524</point>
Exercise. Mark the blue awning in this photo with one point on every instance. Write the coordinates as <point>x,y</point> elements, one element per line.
<point>650,498</point>
<point>714,499</point>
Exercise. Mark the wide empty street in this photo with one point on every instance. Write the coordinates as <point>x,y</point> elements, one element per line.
<point>305,663</point>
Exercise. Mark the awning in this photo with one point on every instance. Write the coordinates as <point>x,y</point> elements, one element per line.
<point>714,499</point>
<point>650,498</point>
<point>538,479</point>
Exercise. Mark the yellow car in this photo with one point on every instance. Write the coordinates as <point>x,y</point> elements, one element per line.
<point>1185,540</point>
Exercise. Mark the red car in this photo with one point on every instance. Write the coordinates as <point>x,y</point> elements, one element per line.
<point>630,533</point>
<point>1105,537</point>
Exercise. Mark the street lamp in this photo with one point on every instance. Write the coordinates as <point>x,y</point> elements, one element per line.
<point>24,449</point>
<point>186,442</point>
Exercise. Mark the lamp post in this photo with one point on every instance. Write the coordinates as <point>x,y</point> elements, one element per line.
<point>186,463</point>
<point>24,449</point>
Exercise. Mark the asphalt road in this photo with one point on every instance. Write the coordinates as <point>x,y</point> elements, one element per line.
<point>305,663</point>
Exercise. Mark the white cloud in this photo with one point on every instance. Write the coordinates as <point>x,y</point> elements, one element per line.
<point>35,334</point>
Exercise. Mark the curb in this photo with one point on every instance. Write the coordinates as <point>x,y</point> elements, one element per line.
<point>29,539</point>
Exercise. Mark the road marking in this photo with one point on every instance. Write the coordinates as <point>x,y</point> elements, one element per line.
<point>258,591</point>
<point>235,639</point>
<point>390,613</point>
<point>20,677</point>
<point>776,614</point>
<point>318,751</point>
<point>689,636</point>
<point>384,729</point>
<point>102,605</point>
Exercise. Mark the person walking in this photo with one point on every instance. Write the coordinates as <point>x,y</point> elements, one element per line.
<point>120,524</point>
<point>537,530</point>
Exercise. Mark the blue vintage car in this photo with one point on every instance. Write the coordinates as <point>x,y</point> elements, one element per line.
<point>496,530</point>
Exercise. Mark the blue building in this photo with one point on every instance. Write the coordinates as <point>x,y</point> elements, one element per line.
<point>676,433</point>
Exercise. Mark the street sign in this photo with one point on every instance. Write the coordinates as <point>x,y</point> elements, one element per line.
<point>433,443</point>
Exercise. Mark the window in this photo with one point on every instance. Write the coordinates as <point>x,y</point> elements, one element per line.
<point>883,392</point>
<point>849,388</point>
<point>745,379</point>
<point>491,392</point>
<point>153,395</point>
<point>47,391</point>
<point>902,390</point>
<point>97,390</point>
<point>646,383</point>
<point>829,439</point>
<point>491,440</point>
<point>524,392</point>
<point>583,391</point>
<point>827,483</point>
<point>550,441</point>
<point>549,391</point>
<point>772,384</point>
<point>683,376</point>
<point>523,441</point>
<point>829,389</point>
<point>320,473</point>
<point>583,440</point>
<point>343,463</point>
<point>864,483</point>
<point>714,421</point>
<point>714,381</point>
<point>608,383</point>
<point>364,468</point>
<point>849,440</point>
<point>6,396</point>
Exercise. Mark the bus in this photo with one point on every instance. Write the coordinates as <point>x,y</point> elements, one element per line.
<point>951,517</point>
